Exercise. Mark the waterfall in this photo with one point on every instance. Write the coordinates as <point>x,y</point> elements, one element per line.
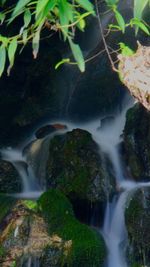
<point>30,162</point>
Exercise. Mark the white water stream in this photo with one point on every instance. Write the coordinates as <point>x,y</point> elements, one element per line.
<point>108,137</point>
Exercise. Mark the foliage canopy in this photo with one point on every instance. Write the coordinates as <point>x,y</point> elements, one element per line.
<point>63,16</point>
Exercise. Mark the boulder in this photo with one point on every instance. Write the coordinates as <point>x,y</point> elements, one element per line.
<point>76,168</point>
<point>48,129</point>
<point>9,178</point>
<point>137,142</point>
<point>137,218</point>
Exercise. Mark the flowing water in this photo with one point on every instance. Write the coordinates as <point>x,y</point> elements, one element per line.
<point>30,162</point>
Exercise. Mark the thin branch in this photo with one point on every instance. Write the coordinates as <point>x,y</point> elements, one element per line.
<point>103,38</point>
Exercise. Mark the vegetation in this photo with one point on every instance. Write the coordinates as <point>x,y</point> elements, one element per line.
<point>62,16</point>
<point>6,205</point>
<point>87,247</point>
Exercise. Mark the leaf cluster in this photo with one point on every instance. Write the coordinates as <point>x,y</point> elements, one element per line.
<point>63,16</point>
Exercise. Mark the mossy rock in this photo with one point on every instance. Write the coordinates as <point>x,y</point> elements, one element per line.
<point>6,204</point>
<point>75,167</point>
<point>87,247</point>
<point>137,218</point>
<point>137,142</point>
<point>9,179</point>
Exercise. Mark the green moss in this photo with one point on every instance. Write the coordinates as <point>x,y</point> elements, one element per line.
<point>6,204</point>
<point>77,184</point>
<point>135,264</point>
<point>30,204</point>
<point>87,249</point>
<point>2,252</point>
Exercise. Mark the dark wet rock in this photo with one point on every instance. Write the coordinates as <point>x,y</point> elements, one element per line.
<point>48,129</point>
<point>98,95</point>
<point>137,217</point>
<point>137,142</point>
<point>9,179</point>
<point>76,167</point>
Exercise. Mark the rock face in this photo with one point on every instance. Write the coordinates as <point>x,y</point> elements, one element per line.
<point>138,220</point>
<point>9,178</point>
<point>48,234</point>
<point>24,238</point>
<point>75,167</point>
<point>137,142</point>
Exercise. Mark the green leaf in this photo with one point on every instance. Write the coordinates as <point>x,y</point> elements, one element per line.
<point>111,2</point>
<point>2,59</point>
<point>77,53</point>
<point>81,24</point>
<point>41,4</point>
<point>113,26</point>
<point>2,17</point>
<point>19,7</point>
<point>140,25</point>
<point>12,50</point>
<point>126,50</point>
<point>64,20</point>
<point>139,6</point>
<point>3,2</point>
<point>86,4</point>
<point>35,43</point>
<point>24,36</point>
<point>65,60</point>
<point>27,18</point>
<point>11,54</point>
<point>120,20</point>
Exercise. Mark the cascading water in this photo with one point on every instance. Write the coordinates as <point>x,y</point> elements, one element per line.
<point>30,162</point>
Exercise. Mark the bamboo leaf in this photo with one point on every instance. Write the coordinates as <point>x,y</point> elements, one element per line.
<point>139,6</point>
<point>140,25</point>
<point>126,50</point>
<point>120,20</point>
<point>65,60</point>
<point>35,43</point>
<point>64,21</point>
<point>86,4</point>
<point>19,7</point>
<point>111,2</point>
<point>40,6</point>
<point>77,53</point>
<point>27,18</point>
<point>11,54</point>
<point>2,17</point>
<point>12,50</point>
<point>2,59</point>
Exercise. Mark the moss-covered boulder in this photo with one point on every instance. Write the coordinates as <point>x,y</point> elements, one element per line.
<point>46,233</point>
<point>75,167</point>
<point>85,247</point>
<point>9,178</point>
<point>137,218</point>
<point>24,238</point>
<point>137,142</point>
